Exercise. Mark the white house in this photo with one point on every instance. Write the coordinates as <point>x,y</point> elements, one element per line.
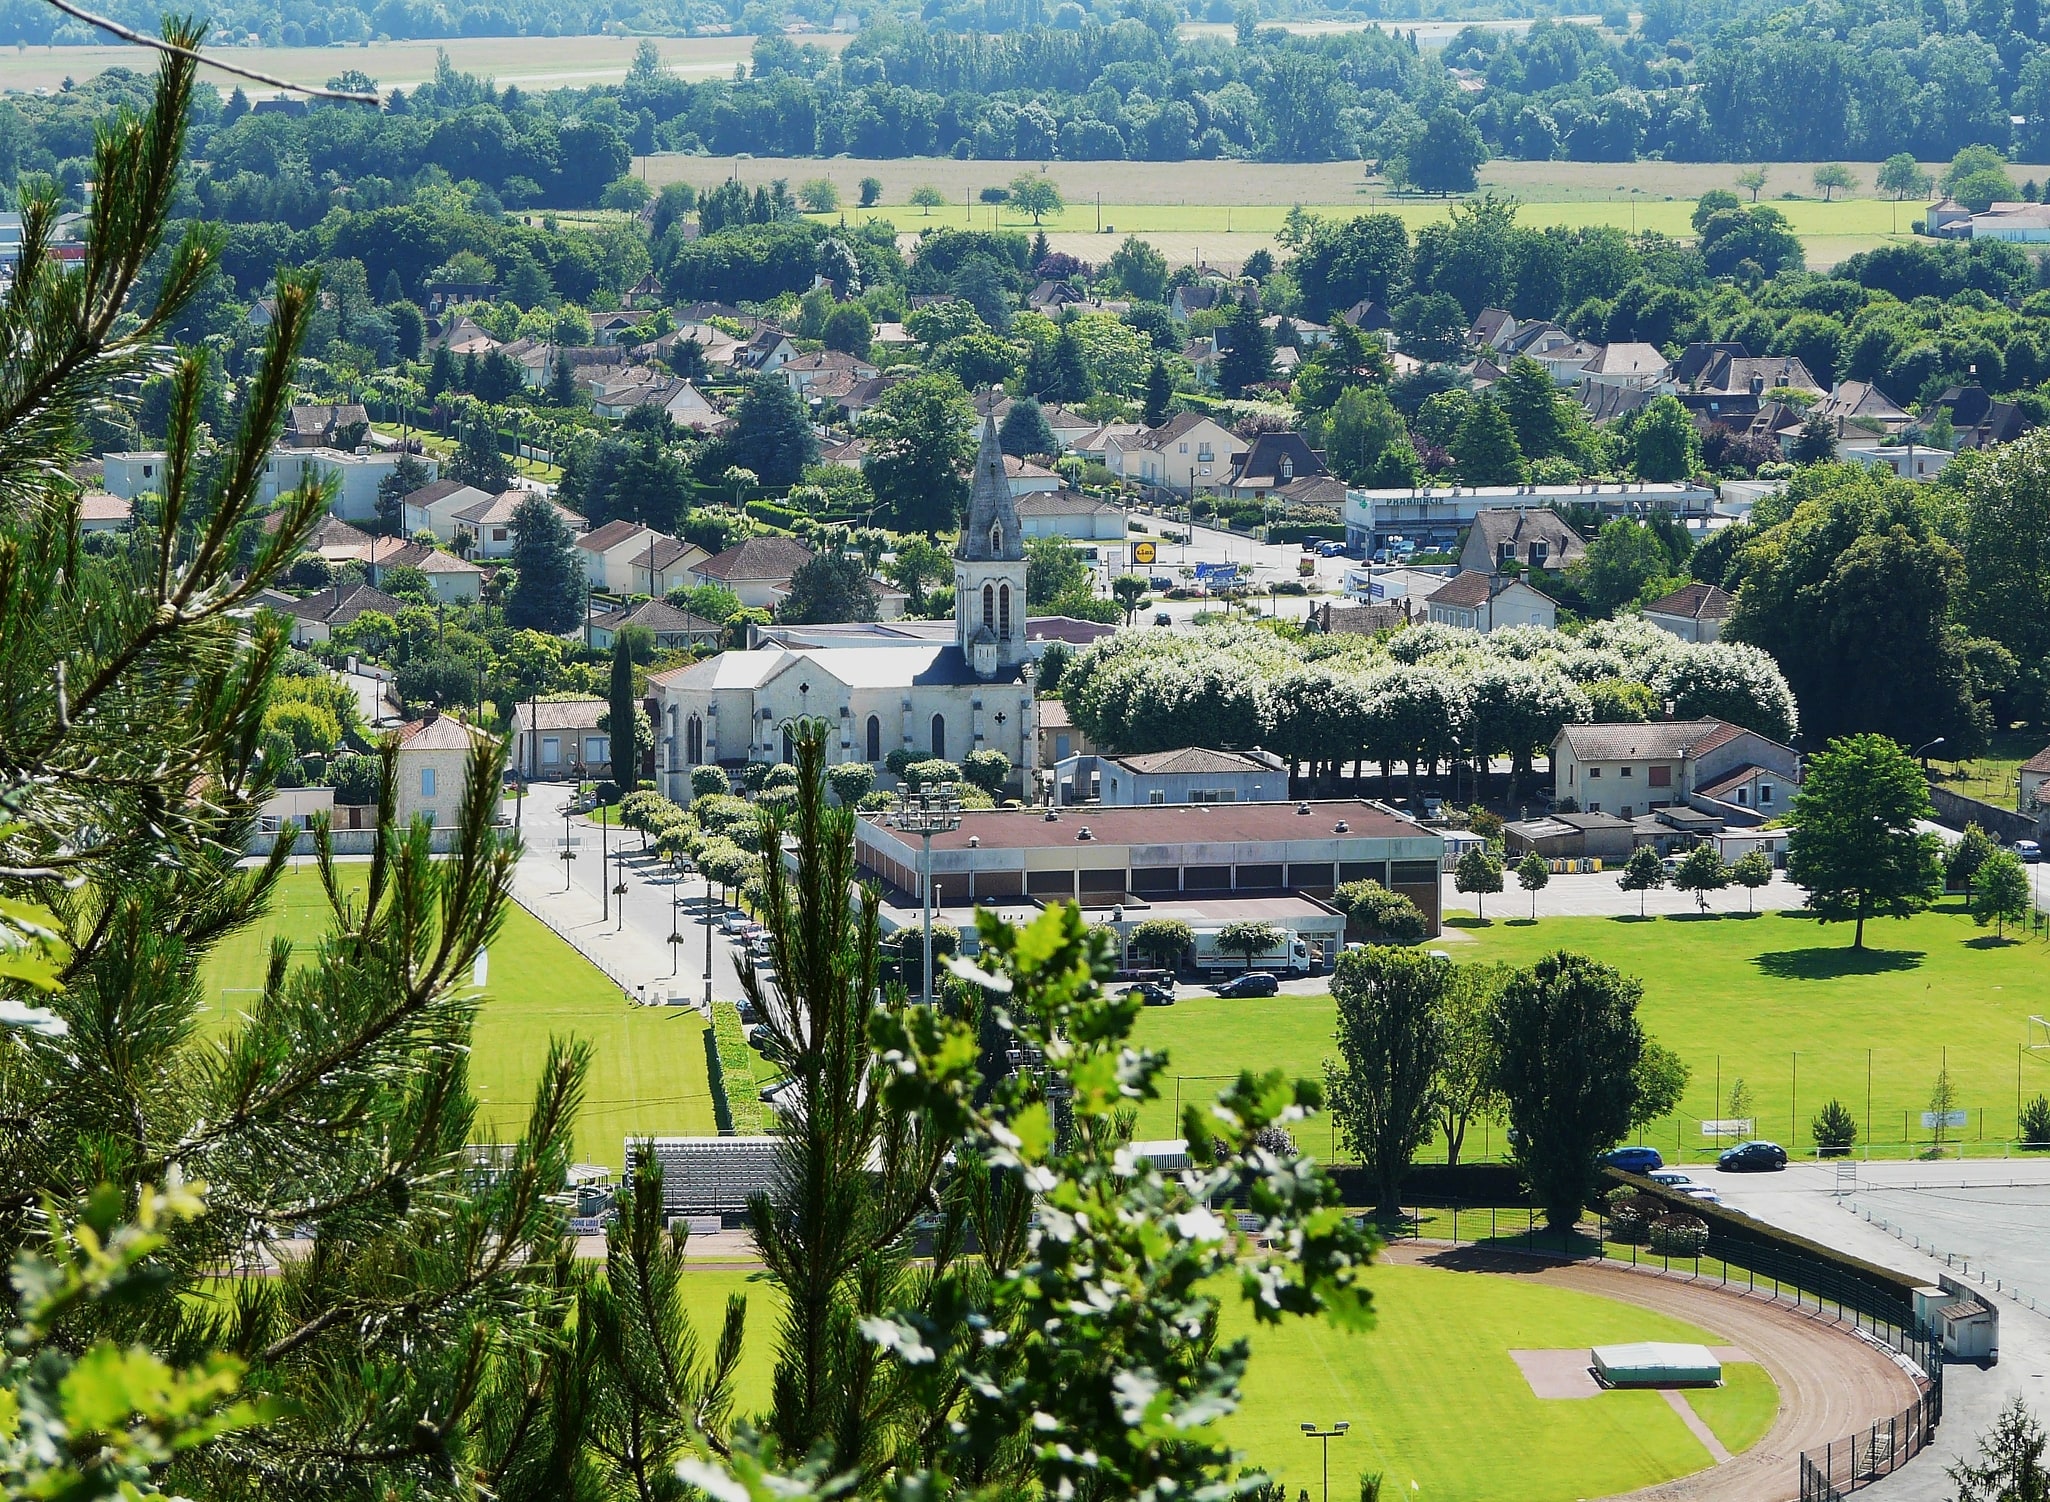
<point>1069,513</point>
<point>1693,612</point>
<point>1708,764</point>
<point>554,739</point>
<point>1187,453</point>
<point>356,475</point>
<point>942,699</point>
<point>434,767</point>
<point>490,522</point>
<point>433,508</point>
<point>627,558</point>
<point>758,570</point>
<point>1490,602</point>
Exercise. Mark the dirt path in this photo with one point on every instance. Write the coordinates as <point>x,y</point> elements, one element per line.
<point>1831,1383</point>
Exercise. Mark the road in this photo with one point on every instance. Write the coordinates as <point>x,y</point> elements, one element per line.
<point>1260,564</point>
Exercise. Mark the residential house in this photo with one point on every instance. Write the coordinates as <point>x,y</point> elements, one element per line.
<point>463,337</point>
<point>355,476</point>
<point>1909,461</point>
<point>1693,612</point>
<point>671,628</point>
<point>1274,460</point>
<point>2015,221</point>
<point>1359,620</point>
<point>766,353</point>
<point>1565,363</point>
<point>1026,478</point>
<point>489,522</point>
<point>719,349</point>
<point>536,359</point>
<point>558,739</point>
<point>433,771</point>
<point>1737,386</point>
<point>336,425</point>
<point>1308,335</point>
<point>1060,738</point>
<point>624,557</point>
<point>1625,363</point>
<point>1862,405</point>
<point>1191,774</point>
<point>1487,602</point>
<point>100,512</point>
<point>433,507</point>
<point>758,570</point>
<point>2033,774</point>
<point>315,617</point>
<point>1708,764</point>
<point>1069,513</point>
<point>1094,446</point>
<point>1069,427</point>
<point>454,581</point>
<point>1492,328</point>
<point>801,371</point>
<point>331,537</point>
<point>1199,297</point>
<point>611,327</point>
<point>849,455</point>
<point>1605,403</point>
<point>1980,421</point>
<point>1503,541</point>
<point>1368,316</point>
<point>616,392</point>
<point>1185,454</point>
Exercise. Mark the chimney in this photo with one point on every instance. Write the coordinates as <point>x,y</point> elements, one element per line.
<point>429,715</point>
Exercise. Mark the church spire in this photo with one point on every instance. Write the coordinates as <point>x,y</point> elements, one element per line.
<point>992,533</point>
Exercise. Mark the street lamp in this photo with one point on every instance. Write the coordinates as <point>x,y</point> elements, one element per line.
<point>1923,752</point>
<point>1336,1431</point>
<point>931,810</point>
<point>619,890</point>
<point>604,855</point>
<point>569,852</point>
<point>676,869</point>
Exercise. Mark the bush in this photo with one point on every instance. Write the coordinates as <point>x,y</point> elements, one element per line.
<point>755,775</point>
<point>851,781</point>
<point>1679,1235</point>
<point>876,802</point>
<point>355,779</point>
<point>1835,1129</point>
<point>1630,1215</point>
<point>2035,1123</point>
<point>608,792</point>
<point>707,781</point>
<point>987,770</point>
<point>898,760</point>
<point>781,775</point>
<point>932,770</point>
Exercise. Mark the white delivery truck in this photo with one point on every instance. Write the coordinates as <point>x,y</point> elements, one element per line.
<point>1290,956</point>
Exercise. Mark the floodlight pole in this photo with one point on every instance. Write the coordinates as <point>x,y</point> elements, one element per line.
<point>930,811</point>
<point>604,855</point>
<point>1336,1431</point>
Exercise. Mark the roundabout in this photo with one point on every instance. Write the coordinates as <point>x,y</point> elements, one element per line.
<point>1476,1385</point>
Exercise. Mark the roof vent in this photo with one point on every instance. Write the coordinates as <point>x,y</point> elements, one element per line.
<point>1302,808</point>
<point>1341,827</point>
<point>1084,834</point>
<point>974,841</point>
<point>1052,815</point>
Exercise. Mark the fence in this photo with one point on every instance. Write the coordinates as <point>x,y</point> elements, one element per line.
<point>1953,1260</point>
<point>1843,1466</point>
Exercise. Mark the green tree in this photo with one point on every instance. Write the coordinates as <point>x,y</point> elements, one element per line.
<point>988,770</point>
<point>1477,873</point>
<point>1701,871</point>
<point>479,461</point>
<point>1129,590</point>
<point>921,440</point>
<point>2001,894</point>
<point>1445,157</point>
<point>2006,584</point>
<point>1485,447</point>
<point>771,434</point>
<point>2009,1466</point>
<point>1664,443</point>
<point>1248,359</point>
<point>917,563</point>
<point>1833,178</point>
<point>1901,176</point>
<point>871,192</point>
<point>624,717</point>
<point>549,596</point>
<point>1834,1129</point>
<point>1430,326</point>
<point>1567,1044</point>
<point>1751,180</point>
<point>827,589</point>
<point>1159,393</point>
<point>1643,872</point>
<point>1464,1091</point>
<point>1391,1042</point>
<point>1139,269</point>
<point>1531,399</point>
<point>1854,844</point>
<point>563,390</point>
<point>1751,871</point>
<point>1164,941</point>
<point>1660,1080</point>
<point>1250,938</point>
<point>407,476</point>
<point>849,329</point>
<point>1620,561</point>
<point>1036,195</point>
<point>1962,862</point>
<point>1816,442</point>
<point>818,195</point>
<point>1025,430</point>
<point>1366,443</point>
<point>851,781</point>
<point>925,197</point>
<point>1053,569</point>
<point>1533,874</point>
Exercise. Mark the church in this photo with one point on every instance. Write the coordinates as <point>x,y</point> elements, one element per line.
<point>946,698</point>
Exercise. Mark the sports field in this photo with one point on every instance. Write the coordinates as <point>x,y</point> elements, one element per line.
<point>648,1071</point>
<point>1765,999</point>
<point>1431,1391</point>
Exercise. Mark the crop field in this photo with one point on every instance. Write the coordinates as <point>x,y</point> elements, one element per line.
<point>530,62</point>
<point>1777,1000</point>
<point>647,1073</point>
<point>1437,1356</point>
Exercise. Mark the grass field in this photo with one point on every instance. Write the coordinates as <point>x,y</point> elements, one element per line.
<point>648,1063</point>
<point>1414,1385</point>
<point>1992,777</point>
<point>1754,998</point>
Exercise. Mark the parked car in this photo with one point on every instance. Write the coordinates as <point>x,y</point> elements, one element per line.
<point>1753,1157</point>
<point>1159,581</point>
<point>1672,1178</point>
<point>1150,994</point>
<point>1634,1159</point>
<point>1330,549</point>
<point>1701,1192</point>
<point>1252,983</point>
<point>2029,851</point>
<point>1162,618</point>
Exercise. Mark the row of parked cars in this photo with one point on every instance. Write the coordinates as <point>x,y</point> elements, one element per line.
<point>1157,988</point>
<point>1757,1156</point>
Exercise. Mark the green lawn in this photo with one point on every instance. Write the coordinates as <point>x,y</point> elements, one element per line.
<point>648,1071</point>
<point>1991,777</point>
<point>1738,997</point>
<point>1412,1386</point>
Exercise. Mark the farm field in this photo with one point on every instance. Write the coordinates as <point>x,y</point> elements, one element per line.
<point>1437,1356</point>
<point>647,1072</point>
<point>1756,998</point>
<point>530,62</point>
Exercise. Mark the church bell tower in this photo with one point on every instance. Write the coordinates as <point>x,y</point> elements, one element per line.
<point>989,569</point>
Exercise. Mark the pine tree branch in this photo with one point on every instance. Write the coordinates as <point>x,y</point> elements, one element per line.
<point>211,60</point>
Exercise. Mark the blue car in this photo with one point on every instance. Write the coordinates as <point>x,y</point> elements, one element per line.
<point>1331,550</point>
<point>1634,1159</point>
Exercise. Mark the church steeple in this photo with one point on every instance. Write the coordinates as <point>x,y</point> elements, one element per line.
<point>992,533</point>
<point>989,569</point>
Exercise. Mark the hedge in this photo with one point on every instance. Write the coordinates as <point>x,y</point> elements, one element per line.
<point>728,1058</point>
<point>1307,532</point>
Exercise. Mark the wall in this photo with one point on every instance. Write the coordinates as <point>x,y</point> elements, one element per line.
<point>2003,824</point>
